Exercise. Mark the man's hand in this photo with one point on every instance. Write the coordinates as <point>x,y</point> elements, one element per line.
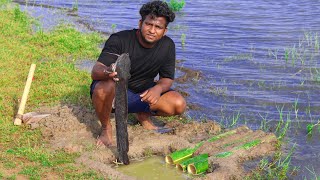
<point>103,72</point>
<point>151,95</point>
<point>110,72</point>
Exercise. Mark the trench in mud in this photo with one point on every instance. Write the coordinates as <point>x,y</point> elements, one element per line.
<point>152,168</point>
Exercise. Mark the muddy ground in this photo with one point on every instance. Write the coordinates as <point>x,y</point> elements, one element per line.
<point>75,129</point>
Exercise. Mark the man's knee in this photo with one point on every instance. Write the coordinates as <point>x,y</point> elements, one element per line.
<point>104,89</point>
<point>180,106</point>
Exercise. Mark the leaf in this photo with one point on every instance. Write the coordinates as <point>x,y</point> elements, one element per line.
<point>309,128</point>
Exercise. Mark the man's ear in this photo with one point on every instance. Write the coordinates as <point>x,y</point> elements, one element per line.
<point>140,23</point>
<point>165,31</point>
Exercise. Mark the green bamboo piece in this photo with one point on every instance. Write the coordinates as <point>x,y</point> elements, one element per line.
<point>245,146</point>
<point>184,164</point>
<point>214,138</point>
<point>250,144</point>
<point>224,154</point>
<point>198,167</point>
<point>186,153</point>
<point>180,155</point>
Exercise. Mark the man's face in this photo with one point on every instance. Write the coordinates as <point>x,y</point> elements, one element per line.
<point>152,29</point>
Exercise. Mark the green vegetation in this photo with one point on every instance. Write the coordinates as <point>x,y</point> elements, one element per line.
<point>113,27</point>
<point>311,126</point>
<point>250,144</point>
<point>183,39</point>
<point>56,80</point>
<point>176,5</point>
<point>75,6</point>
<point>303,55</point>
<point>277,168</point>
<point>224,154</point>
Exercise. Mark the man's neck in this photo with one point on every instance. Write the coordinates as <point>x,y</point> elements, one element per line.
<point>142,42</point>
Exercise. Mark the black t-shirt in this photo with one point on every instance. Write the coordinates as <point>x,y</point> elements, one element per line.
<point>146,63</point>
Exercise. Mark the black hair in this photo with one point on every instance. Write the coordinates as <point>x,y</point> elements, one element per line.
<point>157,9</point>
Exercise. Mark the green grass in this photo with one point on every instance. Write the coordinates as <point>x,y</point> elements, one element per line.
<point>56,80</point>
<point>33,172</point>
<point>277,168</point>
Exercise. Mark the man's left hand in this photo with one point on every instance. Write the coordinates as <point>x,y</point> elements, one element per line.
<point>151,95</point>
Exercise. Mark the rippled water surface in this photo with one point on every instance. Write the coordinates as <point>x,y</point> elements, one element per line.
<point>258,59</point>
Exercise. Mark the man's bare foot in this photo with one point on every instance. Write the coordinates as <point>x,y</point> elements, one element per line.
<point>145,121</point>
<point>105,137</point>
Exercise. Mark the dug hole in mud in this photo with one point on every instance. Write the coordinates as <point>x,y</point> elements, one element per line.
<point>75,129</point>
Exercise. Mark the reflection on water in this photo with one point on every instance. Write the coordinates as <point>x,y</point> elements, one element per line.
<point>259,60</point>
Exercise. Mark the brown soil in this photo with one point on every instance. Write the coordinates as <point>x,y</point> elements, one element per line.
<point>75,129</point>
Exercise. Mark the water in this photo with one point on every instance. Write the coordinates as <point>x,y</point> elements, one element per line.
<point>256,57</point>
<point>153,168</point>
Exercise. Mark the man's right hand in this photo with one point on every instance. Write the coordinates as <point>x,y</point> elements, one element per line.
<point>110,72</point>
<point>103,72</point>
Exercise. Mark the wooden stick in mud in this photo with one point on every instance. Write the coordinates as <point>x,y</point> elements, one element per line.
<point>121,107</point>
<point>18,118</point>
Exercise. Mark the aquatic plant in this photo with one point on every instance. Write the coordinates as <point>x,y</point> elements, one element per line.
<point>75,6</point>
<point>315,174</point>
<point>237,57</point>
<point>273,53</point>
<point>315,74</point>
<point>183,39</point>
<point>113,27</point>
<point>296,109</point>
<point>276,168</point>
<point>176,5</point>
<point>263,123</point>
<point>235,119</point>
<point>218,91</point>
<point>311,126</point>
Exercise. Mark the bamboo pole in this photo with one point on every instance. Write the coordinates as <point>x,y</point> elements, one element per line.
<point>198,167</point>
<point>18,118</point>
<point>200,158</point>
<point>186,153</point>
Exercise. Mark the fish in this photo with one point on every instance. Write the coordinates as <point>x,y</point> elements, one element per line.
<point>122,67</point>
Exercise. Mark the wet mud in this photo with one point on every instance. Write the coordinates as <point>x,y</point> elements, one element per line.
<point>75,129</point>
<point>188,76</point>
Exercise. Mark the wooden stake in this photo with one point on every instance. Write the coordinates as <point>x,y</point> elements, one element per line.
<point>18,118</point>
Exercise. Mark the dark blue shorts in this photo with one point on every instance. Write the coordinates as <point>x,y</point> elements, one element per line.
<point>134,100</point>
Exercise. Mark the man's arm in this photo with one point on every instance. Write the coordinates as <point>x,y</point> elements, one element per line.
<point>102,72</point>
<point>165,84</point>
<point>153,94</point>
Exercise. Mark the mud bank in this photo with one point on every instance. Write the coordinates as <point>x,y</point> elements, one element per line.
<point>75,129</point>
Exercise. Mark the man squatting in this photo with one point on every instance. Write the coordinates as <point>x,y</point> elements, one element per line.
<point>151,53</point>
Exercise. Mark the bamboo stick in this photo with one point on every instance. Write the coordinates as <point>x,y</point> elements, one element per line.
<point>185,153</point>
<point>198,167</point>
<point>18,118</point>
<point>200,158</point>
<point>180,155</point>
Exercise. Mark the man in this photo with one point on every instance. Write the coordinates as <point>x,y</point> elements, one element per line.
<point>151,53</point>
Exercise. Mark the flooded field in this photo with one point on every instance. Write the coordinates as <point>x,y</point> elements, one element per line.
<point>259,61</point>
